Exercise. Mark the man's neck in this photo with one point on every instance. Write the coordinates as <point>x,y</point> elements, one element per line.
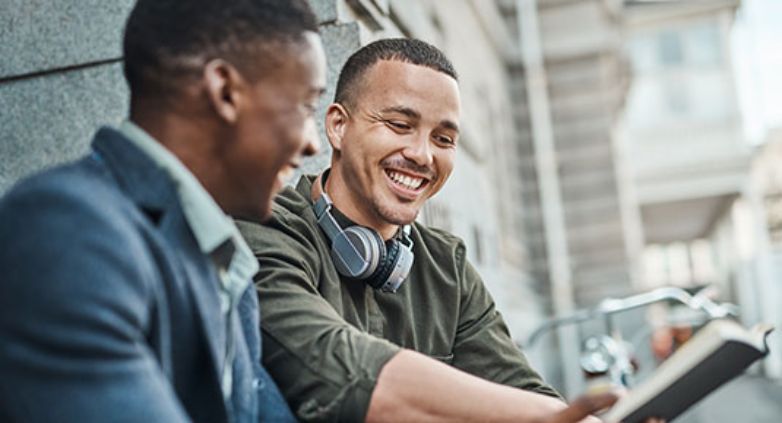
<point>189,143</point>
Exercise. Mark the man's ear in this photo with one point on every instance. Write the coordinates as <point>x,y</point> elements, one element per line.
<point>336,122</point>
<point>224,86</point>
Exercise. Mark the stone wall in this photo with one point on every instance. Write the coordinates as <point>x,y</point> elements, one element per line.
<point>60,77</point>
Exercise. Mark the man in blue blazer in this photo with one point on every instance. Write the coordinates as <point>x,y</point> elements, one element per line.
<point>125,291</point>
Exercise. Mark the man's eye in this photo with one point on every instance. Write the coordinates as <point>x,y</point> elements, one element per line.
<point>398,125</point>
<point>444,139</point>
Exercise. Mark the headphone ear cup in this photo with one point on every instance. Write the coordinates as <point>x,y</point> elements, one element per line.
<point>356,252</point>
<point>386,266</point>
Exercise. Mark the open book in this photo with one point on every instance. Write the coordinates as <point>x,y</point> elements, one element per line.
<point>716,354</point>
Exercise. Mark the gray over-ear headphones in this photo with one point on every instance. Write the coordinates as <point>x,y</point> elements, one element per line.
<point>360,253</point>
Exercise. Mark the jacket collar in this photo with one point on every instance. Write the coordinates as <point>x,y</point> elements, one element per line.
<point>146,183</point>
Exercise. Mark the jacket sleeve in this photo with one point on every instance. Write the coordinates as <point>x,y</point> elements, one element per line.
<point>325,367</point>
<point>483,344</point>
<point>74,301</point>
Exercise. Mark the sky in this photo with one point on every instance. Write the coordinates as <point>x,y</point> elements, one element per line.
<point>757,56</point>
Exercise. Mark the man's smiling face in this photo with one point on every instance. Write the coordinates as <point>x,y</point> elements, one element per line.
<point>397,145</point>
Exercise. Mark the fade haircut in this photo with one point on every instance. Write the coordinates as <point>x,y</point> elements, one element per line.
<point>167,41</point>
<point>406,50</point>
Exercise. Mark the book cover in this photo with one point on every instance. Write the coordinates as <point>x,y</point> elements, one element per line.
<point>719,352</point>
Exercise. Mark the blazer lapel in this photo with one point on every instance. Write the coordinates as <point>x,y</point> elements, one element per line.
<point>152,189</point>
<point>201,279</point>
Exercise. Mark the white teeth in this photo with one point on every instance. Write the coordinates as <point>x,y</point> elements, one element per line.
<point>408,181</point>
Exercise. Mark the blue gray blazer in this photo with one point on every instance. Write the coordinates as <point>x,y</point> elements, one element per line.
<point>108,309</point>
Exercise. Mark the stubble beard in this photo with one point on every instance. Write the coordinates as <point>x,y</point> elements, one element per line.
<point>393,215</point>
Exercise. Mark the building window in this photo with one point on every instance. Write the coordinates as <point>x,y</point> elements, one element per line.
<point>705,48</point>
<point>670,48</point>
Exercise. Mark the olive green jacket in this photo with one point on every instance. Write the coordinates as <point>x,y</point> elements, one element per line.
<point>326,338</point>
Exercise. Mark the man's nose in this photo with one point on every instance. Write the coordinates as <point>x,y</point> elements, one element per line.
<point>419,151</point>
<point>311,139</point>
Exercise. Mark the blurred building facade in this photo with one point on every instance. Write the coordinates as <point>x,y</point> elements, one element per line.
<point>585,84</point>
<point>707,201</point>
<point>683,130</point>
<point>581,221</point>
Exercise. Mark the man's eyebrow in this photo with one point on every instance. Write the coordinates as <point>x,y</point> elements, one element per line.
<point>411,113</point>
<point>319,91</point>
<point>448,124</point>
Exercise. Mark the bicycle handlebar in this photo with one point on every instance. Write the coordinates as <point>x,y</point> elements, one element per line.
<point>611,306</point>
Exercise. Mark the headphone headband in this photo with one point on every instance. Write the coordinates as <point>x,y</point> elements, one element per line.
<point>322,209</point>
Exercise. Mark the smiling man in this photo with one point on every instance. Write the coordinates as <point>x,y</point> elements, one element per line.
<point>126,291</point>
<point>368,315</point>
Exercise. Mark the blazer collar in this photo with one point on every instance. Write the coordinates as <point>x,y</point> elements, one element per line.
<point>146,183</point>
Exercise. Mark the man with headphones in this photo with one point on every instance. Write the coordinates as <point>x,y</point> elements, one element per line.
<point>368,315</point>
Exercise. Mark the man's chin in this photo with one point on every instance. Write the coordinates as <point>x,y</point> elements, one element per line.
<point>399,217</point>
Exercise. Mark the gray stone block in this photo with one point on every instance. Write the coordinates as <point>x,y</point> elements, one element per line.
<point>326,10</point>
<point>371,12</point>
<point>340,41</point>
<point>51,119</point>
<point>41,35</point>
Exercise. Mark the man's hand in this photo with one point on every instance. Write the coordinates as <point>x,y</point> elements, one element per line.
<point>582,409</point>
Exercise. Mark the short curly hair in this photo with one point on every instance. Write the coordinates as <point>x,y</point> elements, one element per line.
<point>168,40</point>
<point>408,50</point>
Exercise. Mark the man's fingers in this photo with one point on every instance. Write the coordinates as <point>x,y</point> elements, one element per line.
<point>584,406</point>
